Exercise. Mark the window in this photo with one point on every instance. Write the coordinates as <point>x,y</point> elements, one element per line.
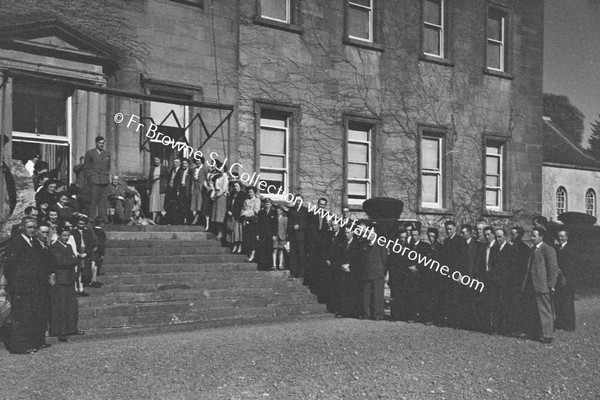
<point>195,3</point>
<point>274,148</point>
<point>494,165</point>
<point>359,24</point>
<point>433,28</point>
<point>561,201</point>
<point>172,121</point>
<point>431,171</point>
<point>496,39</point>
<point>590,202</point>
<point>277,10</point>
<point>359,162</point>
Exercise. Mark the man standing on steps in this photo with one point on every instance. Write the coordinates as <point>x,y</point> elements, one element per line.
<point>96,168</point>
<point>296,226</point>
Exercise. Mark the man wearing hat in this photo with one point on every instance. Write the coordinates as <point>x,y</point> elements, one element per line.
<point>96,167</point>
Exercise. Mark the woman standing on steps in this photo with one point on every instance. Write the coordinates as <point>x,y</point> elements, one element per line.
<point>198,179</point>
<point>235,203</point>
<point>250,215</point>
<point>219,197</point>
<point>64,309</point>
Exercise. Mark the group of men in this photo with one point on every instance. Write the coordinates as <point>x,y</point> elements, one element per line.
<point>525,288</point>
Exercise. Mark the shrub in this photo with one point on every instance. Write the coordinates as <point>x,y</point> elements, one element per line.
<point>577,218</point>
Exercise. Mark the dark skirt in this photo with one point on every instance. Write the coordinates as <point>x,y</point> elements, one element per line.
<point>207,202</point>
<point>29,317</point>
<point>249,233</point>
<point>64,310</point>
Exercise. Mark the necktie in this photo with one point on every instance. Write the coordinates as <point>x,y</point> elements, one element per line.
<point>82,243</point>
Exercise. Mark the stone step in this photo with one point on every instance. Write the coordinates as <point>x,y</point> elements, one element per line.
<point>189,295</point>
<point>193,276</point>
<point>190,306</point>
<point>176,259</point>
<point>131,331</point>
<point>166,251</point>
<point>128,244</point>
<point>224,268</point>
<point>172,236</point>
<point>154,228</point>
<point>197,313</point>
<point>216,284</point>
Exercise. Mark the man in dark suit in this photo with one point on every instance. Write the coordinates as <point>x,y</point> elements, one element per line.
<point>539,284</point>
<point>453,255</point>
<point>469,296</point>
<point>317,233</point>
<point>374,268</point>
<point>416,272</point>
<point>86,245</point>
<point>517,318</point>
<point>97,174</point>
<point>397,265</point>
<point>267,229</point>
<point>483,274</point>
<point>171,190</point>
<point>565,291</point>
<point>500,264</point>
<point>297,219</point>
<point>183,192</point>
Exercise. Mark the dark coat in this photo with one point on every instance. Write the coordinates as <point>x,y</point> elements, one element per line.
<point>297,216</point>
<point>96,167</point>
<point>235,204</point>
<point>471,257</point>
<point>88,241</point>
<point>521,260</point>
<point>566,258</point>
<point>453,253</point>
<point>376,262</point>
<point>163,178</point>
<point>501,262</point>
<point>267,223</point>
<point>183,191</point>
<point>64,263</point>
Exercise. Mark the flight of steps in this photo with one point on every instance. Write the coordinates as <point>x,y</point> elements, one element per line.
<point>166,278</point>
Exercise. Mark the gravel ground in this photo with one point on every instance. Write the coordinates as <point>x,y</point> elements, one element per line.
<point>326,359</point>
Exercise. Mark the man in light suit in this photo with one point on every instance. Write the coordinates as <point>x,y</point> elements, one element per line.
<point>539,282</point>
<point>96,167</point>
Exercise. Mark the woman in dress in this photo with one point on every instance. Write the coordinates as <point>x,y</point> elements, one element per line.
<point>235,204</point>
<point>219,197</point>
<point>157,186</point>
<point>250,215</point>
<point>64,311</point>
<point>207,202</point>
<point>198,178</point>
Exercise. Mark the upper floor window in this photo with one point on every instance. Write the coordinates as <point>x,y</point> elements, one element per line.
<point>433,29</point>
<point>277,10</point>
<point>432,171</point>
<point>494,164</point>
<point>590,202</point>
<point>274,148</point>
<point>359,162</point>
<point>360,20</point>
<point>561,201</point>
<point>497,28</point>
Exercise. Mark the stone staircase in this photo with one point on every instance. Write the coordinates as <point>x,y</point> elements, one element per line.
<point>169,278</point>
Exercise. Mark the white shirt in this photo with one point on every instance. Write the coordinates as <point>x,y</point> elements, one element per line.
<point>30,167</point>
<point>28,240</point>
<point>487,255</point>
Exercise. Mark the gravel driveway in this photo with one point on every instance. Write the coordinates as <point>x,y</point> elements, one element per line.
<point>323,359</point>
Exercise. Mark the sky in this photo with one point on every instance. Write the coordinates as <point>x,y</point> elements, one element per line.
<point>572,55</point>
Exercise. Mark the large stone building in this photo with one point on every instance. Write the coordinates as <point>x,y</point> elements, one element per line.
<point>435,102</point>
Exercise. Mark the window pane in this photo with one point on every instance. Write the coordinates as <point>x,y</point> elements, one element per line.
<point>275,9</point>
<point>494,26</point>
<point>360,135</point>
<point>272,161</point>
<point>166,114</point>
<point>492,165</point>
<point>272,178</point>
<point>358,23</point>
<point>357,190</point>
<point>491,180</point>
<point>358,171</point>
<point>430,154</point>
<point>39,110</point>
<point>432,12</point>
<point>430,189</point>
<point>493,55</point>
<point>272,141</point>
<point>491,198</point>
<point>358,152</point>
<point>492,150</point>
<point>431,41</point>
